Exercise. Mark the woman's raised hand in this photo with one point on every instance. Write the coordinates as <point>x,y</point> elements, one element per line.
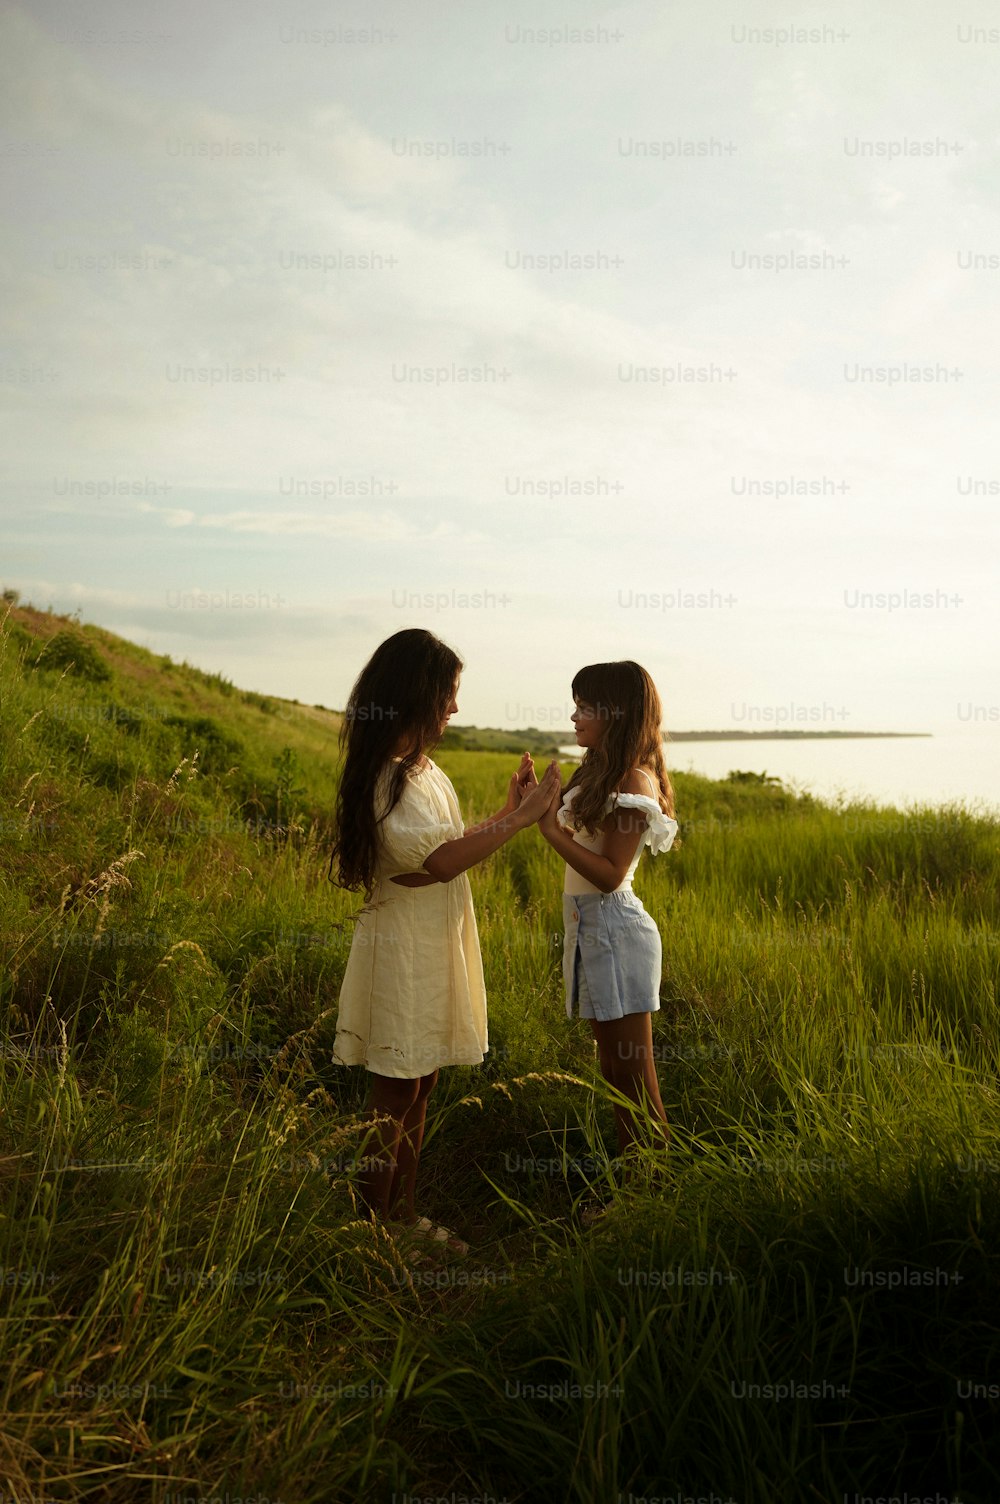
<point>522,782</point>
<point>526,778</point>
<point>538,799</point>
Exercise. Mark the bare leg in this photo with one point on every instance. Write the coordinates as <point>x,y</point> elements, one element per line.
<point>625,1046</point>
<point>404,1181</point>
<point>392,1097</point>
<point>607,1059</point>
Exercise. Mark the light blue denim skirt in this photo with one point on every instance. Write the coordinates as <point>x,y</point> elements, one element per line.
<point>612,955</point>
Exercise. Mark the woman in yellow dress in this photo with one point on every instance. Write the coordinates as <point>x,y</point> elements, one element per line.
<point>413,997</point>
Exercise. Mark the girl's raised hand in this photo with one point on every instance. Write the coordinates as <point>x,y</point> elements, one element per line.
<point>547,823</point>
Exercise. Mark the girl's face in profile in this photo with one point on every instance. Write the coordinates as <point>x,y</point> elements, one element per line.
<point>589,723</point>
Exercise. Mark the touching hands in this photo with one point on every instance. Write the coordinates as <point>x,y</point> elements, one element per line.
<point>522,782</point>
<point>542,801</point>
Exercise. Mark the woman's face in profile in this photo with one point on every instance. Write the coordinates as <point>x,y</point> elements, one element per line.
<point>452,704</point>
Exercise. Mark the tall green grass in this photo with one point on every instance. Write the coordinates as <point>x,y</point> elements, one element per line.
<point>800,1302</point>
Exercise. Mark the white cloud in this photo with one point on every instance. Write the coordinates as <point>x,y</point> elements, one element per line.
<point>372,527</point>
<point>438,456</point>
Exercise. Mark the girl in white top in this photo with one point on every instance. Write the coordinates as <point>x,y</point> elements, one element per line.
<point>412,998</point>
<point>618,800</point>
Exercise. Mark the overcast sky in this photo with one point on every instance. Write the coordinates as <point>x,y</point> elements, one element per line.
<point>569,332</point>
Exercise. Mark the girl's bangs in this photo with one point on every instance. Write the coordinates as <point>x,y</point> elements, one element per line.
<point>591,685</point>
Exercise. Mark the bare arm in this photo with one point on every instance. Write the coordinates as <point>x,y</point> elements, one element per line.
<point>605,869</point>
<point>454,857</point>
<point>622,830</point>
<point>458,856</point>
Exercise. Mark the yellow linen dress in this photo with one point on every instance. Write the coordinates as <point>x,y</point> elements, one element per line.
<point>413,996</point>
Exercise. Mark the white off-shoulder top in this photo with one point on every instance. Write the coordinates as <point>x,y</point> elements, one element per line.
<point>659,835</point>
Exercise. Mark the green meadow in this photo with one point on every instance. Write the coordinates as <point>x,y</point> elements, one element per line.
<point>800,1302</point>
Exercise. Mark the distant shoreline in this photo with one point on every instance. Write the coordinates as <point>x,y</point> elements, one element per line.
<point>556,741</point>
<point>785,736</point>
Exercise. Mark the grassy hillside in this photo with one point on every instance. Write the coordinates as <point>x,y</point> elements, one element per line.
<point>803,1305</point>
<point>489,739</point>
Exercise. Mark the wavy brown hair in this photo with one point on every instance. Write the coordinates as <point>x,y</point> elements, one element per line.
<point>624,695</point>
<point>400,700</point>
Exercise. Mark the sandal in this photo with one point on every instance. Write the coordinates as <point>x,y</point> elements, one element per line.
<point>443,1237</point>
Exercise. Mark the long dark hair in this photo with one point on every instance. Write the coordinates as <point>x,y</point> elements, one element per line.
<point>400,700</point>
<point>625,695</point>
